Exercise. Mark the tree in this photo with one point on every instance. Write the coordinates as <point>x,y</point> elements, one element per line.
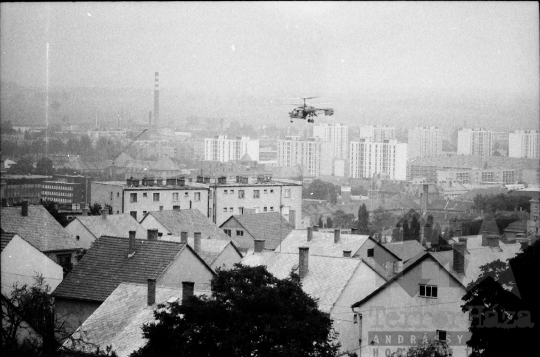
<point>433,348</point>
<point>414,231</point>
<point>44,166</point>
<point>381,218</point>
<point>363,220</point>
<point>503,303</point>
<point>95,209</point>
<point>250,313</point>
<point>329,223</point>
<point>321,225</point>
<point>24,166</point>
<point>321,190</point>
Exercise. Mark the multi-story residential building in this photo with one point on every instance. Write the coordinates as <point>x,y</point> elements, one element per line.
<point>368,158</point>
<point>478,142</point>
<point>337,134</point>
<point>137,197</point>
<point>19,188</point>
<point>377,132</point>
<point>67,189</point>
<point>313,155</point>
<point>249,195</point>
<point>220,148</point>
<point>477,176</point>
<point>425,142</point>
<point>524,143</point>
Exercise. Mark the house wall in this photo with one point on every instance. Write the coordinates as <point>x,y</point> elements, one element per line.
<point>107,194</point>
<point>150,222</point>
<point>76,228</point>
<point>245,242</point>
<point>380,255</point>
<point>397,309</point>
<point>74,312</point>
<point>21,262</point>
<point>364,281</point>
<point>186,267</point>
<point>228,257</point>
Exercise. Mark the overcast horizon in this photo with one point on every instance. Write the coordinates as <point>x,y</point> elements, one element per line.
<point>386,60</point>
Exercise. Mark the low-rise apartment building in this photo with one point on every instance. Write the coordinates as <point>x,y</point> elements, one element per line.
<point>67,189</point>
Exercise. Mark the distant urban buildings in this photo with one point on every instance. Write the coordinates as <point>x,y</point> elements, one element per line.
<point>424,142</point>
<point>369,158</point>
<point>478,142</point>
<point>377,132</point>
<point>524,143</point>
<point>337,134</point>
<point>313,155</point>
<point>67,189</point>
<point>220,148</point>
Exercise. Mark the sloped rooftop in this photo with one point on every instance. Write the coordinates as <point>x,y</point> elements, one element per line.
<point>116,225</point>
<point>321,243</point>
<point>39,228</point>
<point>5,238</point>
<point>117,322</point>
<point>272,227</point>
<point>210,248</point>
<point>405,250</point>
<point>106,265</point>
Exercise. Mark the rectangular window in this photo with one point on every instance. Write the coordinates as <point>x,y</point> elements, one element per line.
<point>145,194</point>
<point>271,209</point>
<point>287,192</point>
<point>232,192</point>
<point>231,209</point>
<point>370,252</point>
<point>241,193</point>
<point>226,192</point>
<point>133,197</point>
<point>441,335</point>
<point>227,232</point>
<point>265,209</point>
<point>175,196</point>
<point>265,192</point>
<point>240,233</point>
<point>271,191</point>
<point>176,208</point>
<point>256,193</point>
<point>225,209</point>
<point>133,214</point>
<point>156,197</point>
<point>161,208</point>
<point>144,213</point>
<point>111,195</point>
<point>428,291</point>
<point>117,194</point>
<point>241,210</point>
<point>197,196</point>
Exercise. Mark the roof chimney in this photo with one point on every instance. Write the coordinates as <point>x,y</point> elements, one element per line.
<point>151,297</point>
<point>464,241</point>
<point>303,261</point>
<point>459,257</point>
<point>152,234</point>
<point>398,266</point>
<point>104,212</point>
<point>354,230</point>
<point>315,228</point>
<point>197,242</point>
<point>337,234</point>
<point>347,253</point>
<point>187,290</point>
<point>183,237</point>
<point>309,234</point>
<point>493,241</point>
<point>131,250</point>
<point>259,245</point>
<point>24,209</point>
<point>84,211</point>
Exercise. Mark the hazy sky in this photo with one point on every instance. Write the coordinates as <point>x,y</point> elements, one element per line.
<point>275,48</point>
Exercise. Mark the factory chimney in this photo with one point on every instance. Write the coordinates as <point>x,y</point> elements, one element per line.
<point>156,101</point>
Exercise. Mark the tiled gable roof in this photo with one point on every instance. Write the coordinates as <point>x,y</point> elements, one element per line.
<point>39,228</point>
<point>405,250</point>
<point>5,238</point>
<point>106,265</point>
<point>118,321</point>
<point>188,220</point>
<point>116,225</point>
<point>326,277</point>
<point>321,243</point>
<point>210,248</point>
<point>272,227</point>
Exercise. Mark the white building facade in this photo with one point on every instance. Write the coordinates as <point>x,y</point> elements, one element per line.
<point>524,143</point>
<point>337,134</point>
<point>424,142</point>
<point>377,132</point>
<point>369,158</point>
<point>220,148</point>
<point>313,155</point>
<point>478,142</point>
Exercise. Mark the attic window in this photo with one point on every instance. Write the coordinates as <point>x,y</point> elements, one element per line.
<point>370,252</point>
<point>441,335</point>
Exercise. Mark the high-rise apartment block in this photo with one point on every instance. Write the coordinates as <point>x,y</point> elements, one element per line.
<point>337,134</point>
<point>314,155</point>
<point>377,132</point>
<point>425,142</point>
<point>524,143</point>
<point>477,142</point>
<point>220,148</point>
<point>369,158</point>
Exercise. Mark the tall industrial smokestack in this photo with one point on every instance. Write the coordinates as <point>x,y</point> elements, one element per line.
<point>156,101</point>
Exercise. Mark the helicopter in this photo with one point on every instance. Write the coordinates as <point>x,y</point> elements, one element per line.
<point>308,112</point>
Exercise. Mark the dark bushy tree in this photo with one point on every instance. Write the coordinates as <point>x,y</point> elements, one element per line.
<point>363,220</point>
<point>250,313</point>
<point>433,348</point>
<point>24,166</point>
<point>44,166</point>
<point>321,190</point>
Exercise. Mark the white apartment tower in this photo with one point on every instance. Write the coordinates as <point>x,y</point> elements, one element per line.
<point>337,134</point>
<point>477,142</point>
<point>369,158</point>
<point>377,132</point>
<point>220,148</point>
<point>425,142</point>
<point>314,155</point>
<point>524,143</point>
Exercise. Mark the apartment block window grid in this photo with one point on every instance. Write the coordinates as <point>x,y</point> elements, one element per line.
<point>428,291</point>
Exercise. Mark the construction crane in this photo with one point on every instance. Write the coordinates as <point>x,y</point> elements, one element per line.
<point>113,166</point>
